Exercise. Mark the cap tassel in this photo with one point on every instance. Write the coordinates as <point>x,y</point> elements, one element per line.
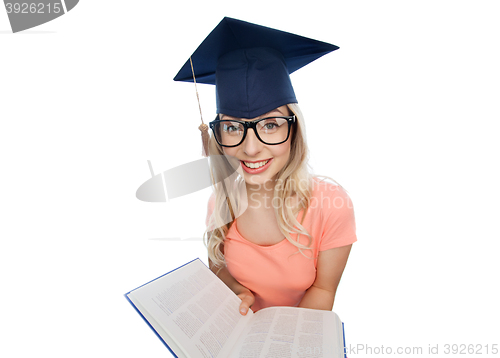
<point>204,139</point>
<point>203,127</point>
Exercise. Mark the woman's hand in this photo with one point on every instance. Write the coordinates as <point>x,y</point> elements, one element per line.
<point>247,300</point>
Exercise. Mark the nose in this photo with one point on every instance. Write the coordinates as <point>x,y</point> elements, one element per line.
<point>252,145</point>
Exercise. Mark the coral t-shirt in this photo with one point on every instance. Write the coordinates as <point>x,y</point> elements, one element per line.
<point>279,274</point>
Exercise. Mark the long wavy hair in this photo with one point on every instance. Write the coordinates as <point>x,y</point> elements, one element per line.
<point>293,179</point>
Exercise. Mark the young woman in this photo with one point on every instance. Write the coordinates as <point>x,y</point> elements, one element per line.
<point>277,235</point>
<point>291,244</point>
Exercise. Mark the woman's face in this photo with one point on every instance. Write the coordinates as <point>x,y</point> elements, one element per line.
<point>266,160</point>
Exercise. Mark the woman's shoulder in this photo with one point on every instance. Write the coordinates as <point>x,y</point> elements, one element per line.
<point>331,214</point>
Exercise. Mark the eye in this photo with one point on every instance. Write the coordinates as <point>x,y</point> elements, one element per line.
<point>232,127</point>
<point>270,125</point>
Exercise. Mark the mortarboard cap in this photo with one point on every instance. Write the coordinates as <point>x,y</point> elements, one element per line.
<point>250,66</point>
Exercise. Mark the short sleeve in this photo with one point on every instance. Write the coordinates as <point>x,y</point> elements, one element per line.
<point>338,226</point>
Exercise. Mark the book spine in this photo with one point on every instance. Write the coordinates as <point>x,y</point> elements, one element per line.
<point>150,326</point>
<point>343,337</point>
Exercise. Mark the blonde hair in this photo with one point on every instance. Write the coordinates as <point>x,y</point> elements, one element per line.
<point>293,179</point>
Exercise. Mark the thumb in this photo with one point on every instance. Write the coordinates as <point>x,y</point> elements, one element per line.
<point>247,300</point>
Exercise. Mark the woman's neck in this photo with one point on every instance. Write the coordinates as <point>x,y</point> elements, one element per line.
<point>261,196</point>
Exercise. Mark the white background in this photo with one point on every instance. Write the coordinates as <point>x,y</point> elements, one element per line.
<point>404,115</point>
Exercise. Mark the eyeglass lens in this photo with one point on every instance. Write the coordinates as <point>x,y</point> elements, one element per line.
<point>269,130</point>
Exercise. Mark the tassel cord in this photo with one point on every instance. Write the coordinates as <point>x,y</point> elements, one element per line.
<point>203,127</point>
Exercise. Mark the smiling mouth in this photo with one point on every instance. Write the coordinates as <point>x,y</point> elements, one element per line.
<point>255,165</point>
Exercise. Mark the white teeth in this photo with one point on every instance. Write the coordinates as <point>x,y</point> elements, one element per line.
<point>256,165</point>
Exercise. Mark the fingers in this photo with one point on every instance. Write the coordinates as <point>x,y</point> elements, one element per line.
<point>247,300</point>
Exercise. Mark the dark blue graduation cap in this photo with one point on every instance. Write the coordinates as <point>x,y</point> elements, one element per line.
<point>250,66</point>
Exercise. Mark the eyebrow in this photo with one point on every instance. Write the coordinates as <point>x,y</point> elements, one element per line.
<point>268,114</point>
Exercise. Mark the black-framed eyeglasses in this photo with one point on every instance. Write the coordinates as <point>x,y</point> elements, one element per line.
<point>269,130</point>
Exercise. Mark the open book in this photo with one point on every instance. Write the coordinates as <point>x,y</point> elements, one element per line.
<point>196,315</point>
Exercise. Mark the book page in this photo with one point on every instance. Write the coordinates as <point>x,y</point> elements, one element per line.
<point>197,310</point>
<point>291,332</point>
